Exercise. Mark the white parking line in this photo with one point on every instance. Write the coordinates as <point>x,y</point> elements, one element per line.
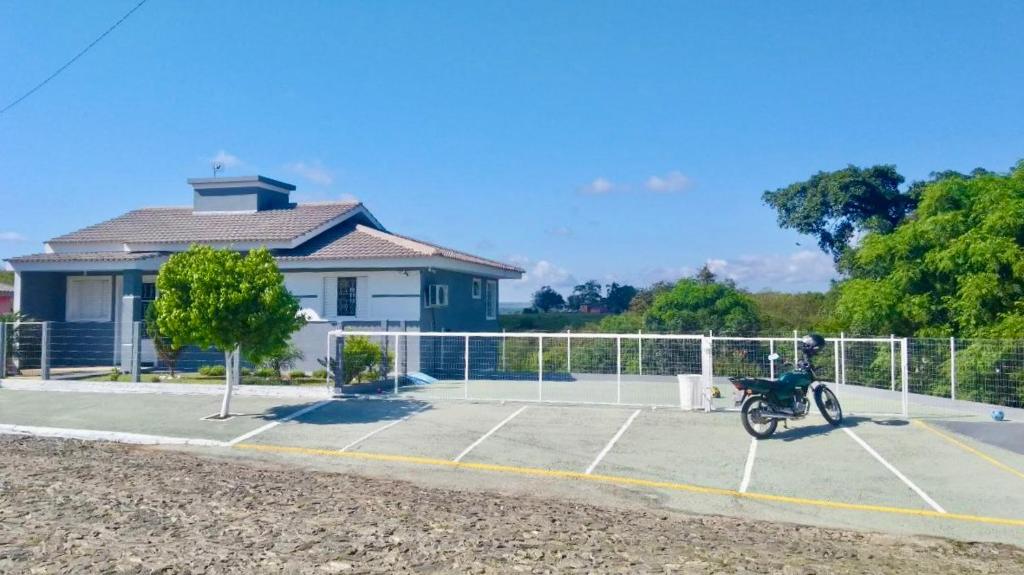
<point>466,451</point>
<point>611,443</point>
<point>931,502</point>
<point>277,422</point>
<point>380,429</point>
<point>749,467</point>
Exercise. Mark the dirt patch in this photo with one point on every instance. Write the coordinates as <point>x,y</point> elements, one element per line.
<point>70,506</point>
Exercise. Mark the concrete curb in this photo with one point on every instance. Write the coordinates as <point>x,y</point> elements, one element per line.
<point>165,388</point>
<point>115,436</point>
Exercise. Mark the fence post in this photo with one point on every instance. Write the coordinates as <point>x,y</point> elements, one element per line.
<point>836,361</point>
<point>706,371</point>
<point>796,347</point>
<point>640,351</point>
<point>771,362</point>
<point>618,370</point>
<point>465,368</point>
<point>3,350</point>
<point>398,357</point>
<point>892,362</point>
<point>44,351</point>
<point>540,368</point>
<point>504,366</point>
<point>136,351</point>
<point>952,368</point>
<point>568,351</point>
<point>904,376</point>
<point>842,356</point>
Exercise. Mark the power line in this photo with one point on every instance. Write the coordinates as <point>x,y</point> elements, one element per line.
<point>72,61</point>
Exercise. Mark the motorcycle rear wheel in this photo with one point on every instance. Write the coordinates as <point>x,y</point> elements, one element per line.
<point>756,424</point>
<point>828,405</point>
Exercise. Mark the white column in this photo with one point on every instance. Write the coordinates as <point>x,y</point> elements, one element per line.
<point>465,368</point>
<point>640,351</point>
<point>398,363</point>
<point>568,351</point>
<point>892,362</point>
<point>842,357</point>
<point>540,368</point>
<point>771,362</point>
<point>706,370</point>
<point>952,368</point>
<point>44,351</point>
<point>905,376</point>
<point>618,370</point>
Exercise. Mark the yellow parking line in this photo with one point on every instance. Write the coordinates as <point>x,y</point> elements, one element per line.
<point>970,449</point>
<point>616,480</point>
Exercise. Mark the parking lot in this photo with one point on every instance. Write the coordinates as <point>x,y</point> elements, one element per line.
<point>956,476</point>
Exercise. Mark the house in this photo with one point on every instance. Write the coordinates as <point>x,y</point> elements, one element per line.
<point>342,264</point>
<point>6,298</point>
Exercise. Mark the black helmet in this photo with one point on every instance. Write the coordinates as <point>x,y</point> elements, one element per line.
<point>812,343</point>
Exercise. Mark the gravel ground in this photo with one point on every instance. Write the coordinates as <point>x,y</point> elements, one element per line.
<point>76,507</point>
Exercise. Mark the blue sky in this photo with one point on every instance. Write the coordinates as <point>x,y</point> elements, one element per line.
<point>608,140</point>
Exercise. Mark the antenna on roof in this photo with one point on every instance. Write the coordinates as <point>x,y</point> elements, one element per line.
<point>217,166</point>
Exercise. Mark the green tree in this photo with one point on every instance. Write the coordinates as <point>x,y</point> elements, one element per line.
<point>784,312</point>
<point>618,297</point>
<point>834,206</point>
<point>586,293</point>
<point>695,307</point>
<point>644,298</point>
<point>955,268</point>
<point>228,301</point>
<point>546,299</point>
<point>166,349</point>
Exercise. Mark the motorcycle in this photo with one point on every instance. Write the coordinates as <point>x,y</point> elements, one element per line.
<point>765,402</point>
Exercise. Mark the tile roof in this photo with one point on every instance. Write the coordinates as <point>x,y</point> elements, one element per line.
<point>357,241</point>
<point>86,257</point>
<point>182,225</point>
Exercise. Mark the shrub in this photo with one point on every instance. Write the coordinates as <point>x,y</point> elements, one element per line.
<point>152,378</point>
<point>319,374</point>
<point>212,370</point>
<point>296,374</point>
<point>115,374</point>
<point>265,372</point>
<point>246,371</point>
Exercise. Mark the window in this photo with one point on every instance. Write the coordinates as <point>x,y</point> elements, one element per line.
<point>89,299</point>
<point>148,295</point>
<point>347,297</point>
<point>491,300</point>
<point>437,295</point>
<point>477,288</point>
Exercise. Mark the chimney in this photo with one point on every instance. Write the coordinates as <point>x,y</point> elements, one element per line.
<point>239,194</point>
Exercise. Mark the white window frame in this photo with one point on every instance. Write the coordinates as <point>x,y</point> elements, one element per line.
<point>72,299</point>
<point>437,295</point>
<point>491,299</point>
<point>478,288</point>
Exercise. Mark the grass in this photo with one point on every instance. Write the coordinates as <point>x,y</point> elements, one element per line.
<point>196,378</point>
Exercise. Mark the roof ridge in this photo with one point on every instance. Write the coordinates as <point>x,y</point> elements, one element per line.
<point>410,243</point>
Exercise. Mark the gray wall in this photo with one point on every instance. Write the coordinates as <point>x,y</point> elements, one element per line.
<point>44,294</point>
<point>238,200</point>
<point>463,313</point>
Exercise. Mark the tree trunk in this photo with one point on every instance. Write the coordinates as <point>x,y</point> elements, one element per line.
<point>229,375</point>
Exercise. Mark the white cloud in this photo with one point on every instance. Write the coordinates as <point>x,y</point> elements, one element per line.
<point>226,160</point>
<point>538,273</point>
<point>11,237</point>
<point>313,171</point>
<point>802,270</point>
<point>598,187</point>
<point>673,181</point>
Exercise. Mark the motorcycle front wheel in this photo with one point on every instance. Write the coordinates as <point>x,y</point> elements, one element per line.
<point>828,405</point>
<point>754,419</point>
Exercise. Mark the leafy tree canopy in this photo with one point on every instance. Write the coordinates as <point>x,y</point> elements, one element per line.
<point>783,312</point>
<point>956,267</point>
<point>546,299</point>
<point>833,206</point>
<point>587,293</point>
<point>695,307</point>
<point>222,299</point>
<point>618,297</point>
<point>645,297</point>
